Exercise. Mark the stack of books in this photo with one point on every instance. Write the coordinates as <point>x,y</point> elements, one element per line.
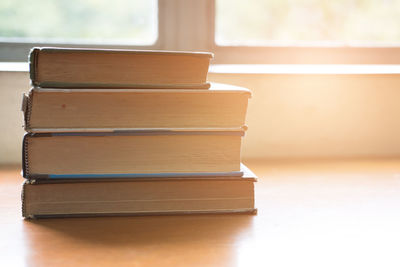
<point>120,132</point>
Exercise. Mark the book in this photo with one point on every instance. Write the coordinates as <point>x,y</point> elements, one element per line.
<point>131,154</point>
<point>74,110</point>
<point>139,196</point>
<point>102,68</point>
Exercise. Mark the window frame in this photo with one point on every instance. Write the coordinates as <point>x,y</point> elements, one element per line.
<point>302,54</point>
<point>190,25</point>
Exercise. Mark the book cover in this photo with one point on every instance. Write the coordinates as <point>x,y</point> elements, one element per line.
<point>131,154</point>
<point>99,110</point>
<point>140,196</point>
<point>107,68</point>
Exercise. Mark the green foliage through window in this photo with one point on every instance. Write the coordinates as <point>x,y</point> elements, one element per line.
<point>303,22</point>
<point>103,21</point>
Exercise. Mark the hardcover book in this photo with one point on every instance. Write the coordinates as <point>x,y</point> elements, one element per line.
<point>131,154</point>
<point>101,68</point>
<point>139,196</point>
<point>74,110</point>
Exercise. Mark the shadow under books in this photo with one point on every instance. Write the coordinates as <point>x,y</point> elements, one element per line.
<point>142,230</point>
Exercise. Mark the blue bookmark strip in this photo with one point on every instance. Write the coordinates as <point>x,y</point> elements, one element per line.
<point>138,175</point>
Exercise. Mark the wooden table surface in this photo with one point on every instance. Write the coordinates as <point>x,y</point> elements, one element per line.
<point>311,213</point>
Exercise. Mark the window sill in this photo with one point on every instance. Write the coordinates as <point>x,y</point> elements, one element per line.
<point>304,69</point>
<point>14,67</point>
<point>265,68</point>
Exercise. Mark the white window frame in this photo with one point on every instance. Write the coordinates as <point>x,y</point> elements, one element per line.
<point>189,25</point>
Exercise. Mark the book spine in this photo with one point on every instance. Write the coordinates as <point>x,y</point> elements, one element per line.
<point>33,63</point>
<point>23,207</point>
<point>25,213</point>
<point>27,110</point>
<point>25,160</point>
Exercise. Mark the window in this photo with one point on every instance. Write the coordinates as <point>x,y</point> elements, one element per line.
<point>253,31</point>
<point>308,22</point>
<point>69,21</point>
<point>73,23</point>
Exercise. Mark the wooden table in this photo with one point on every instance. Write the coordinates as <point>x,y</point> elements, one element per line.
<point>311,213</point>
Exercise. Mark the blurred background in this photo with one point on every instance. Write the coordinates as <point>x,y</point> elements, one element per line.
<point>252,22</point>
<point>325,74</point>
